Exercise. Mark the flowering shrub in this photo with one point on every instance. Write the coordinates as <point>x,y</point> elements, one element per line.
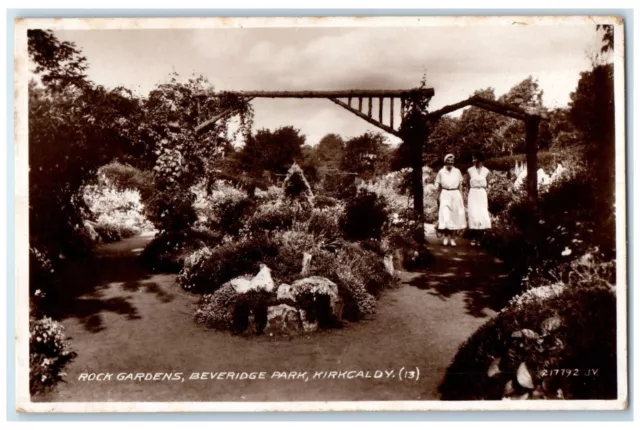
<point>193,265</point>
<point>213,308</point>
<point>118,213</point>
<point>49,352</point>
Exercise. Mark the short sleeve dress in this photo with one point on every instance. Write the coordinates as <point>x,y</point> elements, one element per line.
<point>451,215</point>
<point>478,204</point>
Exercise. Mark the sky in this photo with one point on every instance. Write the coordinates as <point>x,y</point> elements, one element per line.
<point>457,61</point>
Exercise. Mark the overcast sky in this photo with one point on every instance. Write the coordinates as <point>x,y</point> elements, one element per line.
<point>457,60</point>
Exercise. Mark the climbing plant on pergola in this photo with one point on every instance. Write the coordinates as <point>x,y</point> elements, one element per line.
<point>414,125</point>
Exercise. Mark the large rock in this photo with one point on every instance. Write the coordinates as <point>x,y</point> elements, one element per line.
<point>309,325</point>
<point>285,292</point>
<point>283,320</point>
<point>317,286</point>
<point>91,231</point>
<point>306,264</point>
<point>261,282</point>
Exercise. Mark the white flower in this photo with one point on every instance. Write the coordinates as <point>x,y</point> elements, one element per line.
<point>566,252</point>
<point>38,292</point>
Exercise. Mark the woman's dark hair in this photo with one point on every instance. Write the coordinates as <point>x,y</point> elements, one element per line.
<point>478,156</point>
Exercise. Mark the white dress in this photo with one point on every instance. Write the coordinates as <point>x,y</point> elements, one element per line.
<point>478,203</point>
<point>451,214</point>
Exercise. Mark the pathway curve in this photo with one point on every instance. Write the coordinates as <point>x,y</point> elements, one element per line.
<point>123,319</point>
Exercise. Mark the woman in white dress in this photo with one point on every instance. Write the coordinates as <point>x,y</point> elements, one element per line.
<point>451,216</point>
<point>478,204</point>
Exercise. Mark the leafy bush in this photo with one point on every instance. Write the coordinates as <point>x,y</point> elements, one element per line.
<point>168,250</point>
<point>322,201</point>
<point>358,272</point>
<point>546,160</point>
<point>365,216</point>
<point>126,177</point>
<point>224,208</point>
<point>172,209</point>
<point>113,232</point>
<point>572,329</point>
<point>276,215</point>
<point>208,271</point>
<point>49,353</point>
<point>500,192</point>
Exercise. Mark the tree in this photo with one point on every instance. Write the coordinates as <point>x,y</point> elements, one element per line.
<point>74,128</point>
<point>367,155</point>
<point>592,112</point>
<point>58,64</point>
<point>272,152</point>
<point>330,151</point>
<point>607,38</point>
<point>182,156</point>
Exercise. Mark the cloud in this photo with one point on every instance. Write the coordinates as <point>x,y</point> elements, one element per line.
<point>457,60</point>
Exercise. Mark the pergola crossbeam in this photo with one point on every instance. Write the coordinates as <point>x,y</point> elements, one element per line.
<point>365,117</point>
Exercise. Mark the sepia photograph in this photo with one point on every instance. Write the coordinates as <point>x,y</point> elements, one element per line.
<point>320,214</point>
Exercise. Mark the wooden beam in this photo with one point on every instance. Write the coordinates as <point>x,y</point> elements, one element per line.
<point>366,118</point>
<point>360,104</point>
<point>370,105</point>
<point>482,103</point>
<point>427,92</point>
<point>201,127</point>
<point>380,107</point>
<point>500,110</point>
<point>436,114</point>
<point>349,101</point>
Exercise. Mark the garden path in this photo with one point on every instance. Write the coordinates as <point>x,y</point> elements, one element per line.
<point>123,319</point>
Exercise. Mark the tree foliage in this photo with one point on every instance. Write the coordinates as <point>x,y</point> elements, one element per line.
<point>366,155</point>
<point>272,152</point>
<point>74,128</point>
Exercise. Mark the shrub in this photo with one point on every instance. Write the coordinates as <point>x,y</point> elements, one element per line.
<point>118,212</point>
<point>225,262</point>
<point>276,215</point>
<point>113,232</point>
<point>566,328</point>
<point>295,184</point>
<point>500,192</point>
<point>225,209</point>
<point>167,251</point>
<point>322,202</point>
<point>125,177</point>
<point>172,209</point>
<point>364,216</point>
<point>49,353</point>
<point>546,160</point>
<point>213,308</point>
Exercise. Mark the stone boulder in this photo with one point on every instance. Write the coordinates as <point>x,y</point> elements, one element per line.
<point>261,282</point>
<point>285,292</point>
<point>319,289</point>
<point>91,231</point>
<point>283,320</point>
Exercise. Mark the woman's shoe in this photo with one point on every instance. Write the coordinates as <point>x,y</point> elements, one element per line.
<point>445,242</point>
<point>453,242</point>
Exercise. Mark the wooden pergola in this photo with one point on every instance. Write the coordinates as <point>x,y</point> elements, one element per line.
<point>354,102</point>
